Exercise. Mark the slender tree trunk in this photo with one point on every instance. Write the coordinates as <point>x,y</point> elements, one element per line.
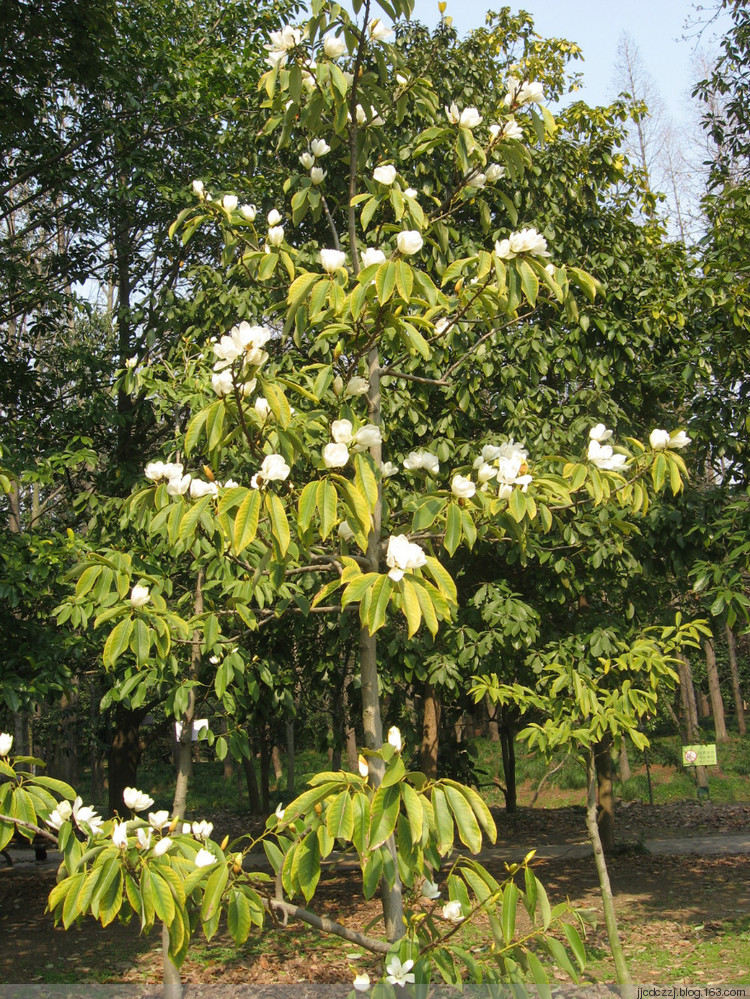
<point>625,773</point>
<point>714,689</point>
<point>736,690</point>
<point>690,712</point>
<point>605,795</point>
<point>508,748</point>
<point>608,904</point>
<point>430,732</point>
<point>95,757</point>
<point>290,754</point>
<point>251,779</point>
<point>185,746</point>
<point>278,770</point>
<point>265,770</point>
<point>493,728</point>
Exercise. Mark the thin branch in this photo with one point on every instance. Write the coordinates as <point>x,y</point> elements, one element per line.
<point>19,823</point>
<point>327,925</point>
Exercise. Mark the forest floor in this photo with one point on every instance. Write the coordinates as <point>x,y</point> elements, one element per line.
<point>684,918</point>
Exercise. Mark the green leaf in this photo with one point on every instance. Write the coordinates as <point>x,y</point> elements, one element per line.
<point>385,280</point>
<point>411,608</point>
<point>360,820</point>
<point>510,902</point>
<point>560,956</point>
<point>279,523</point>
<point>238,917</point>
<point>372,873</point>
<point>383,814</point>
<point>306,866</point>
<point>453,528</point>
<point>327,498</point>
<point>380,595</point>
<point>215,423</point>
<point>117,642</point>
<point>189,520</point>
<point>414,813</point>
<point>358,587</point>
<point>246,521</point>
<point>576,945</point>
<point>404,280</point>
<point>340,817</point>
<point>306,505</point>
<point>162,896</point>
<point>215,886</point>
<point>140,642</point>
<point>529,282</point>
<point>466,823</point>
<point>443,821</point>
<point>426,514</point>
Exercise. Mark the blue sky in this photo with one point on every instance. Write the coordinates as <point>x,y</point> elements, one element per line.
<point>656,26</point>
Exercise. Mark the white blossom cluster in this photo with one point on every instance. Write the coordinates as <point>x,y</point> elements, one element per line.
<point>524,241</point>
<point>506,464</point>
<point>179,484</point>
<point>344,438</point>
<point>403,556</point>
<point>603,455</point>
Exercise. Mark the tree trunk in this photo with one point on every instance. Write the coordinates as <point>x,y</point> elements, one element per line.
<point>430,732</point>
<point>265,770</point>
<point>65,753</point>
<point>714,689</point>
<point>507,733</point>
<point>690,712</point>
<point>251,779</point>
<point>622,972</point>
<point>185,746</point>
<point>290,754</point>
<point>736,690</point>
<point>96,759</point>
<point>493,728</point>
<point>625,772</point>
<point>605,795</point>
<point>124,755</point>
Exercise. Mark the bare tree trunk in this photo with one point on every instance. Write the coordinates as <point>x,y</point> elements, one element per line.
<point>251,779</point>
<point>290,753</point>
<point>605,795</point>
<point>96,760</point>
<point>714,689</point>
<point>622,972</point>
<point>492,726</point>
<point>124,755</point>
<point>625,773</point>
<point>736,689</point>
<point>690,711</point>
<point>430,732</point>
<point>508,746</point>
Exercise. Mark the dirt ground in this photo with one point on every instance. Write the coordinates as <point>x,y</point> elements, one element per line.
<point>664,902</point>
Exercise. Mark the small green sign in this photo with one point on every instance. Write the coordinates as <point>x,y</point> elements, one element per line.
<point>699,756</point>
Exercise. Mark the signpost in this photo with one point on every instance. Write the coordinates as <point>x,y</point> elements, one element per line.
<point>699,756</point>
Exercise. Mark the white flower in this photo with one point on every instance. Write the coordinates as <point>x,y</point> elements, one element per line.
<point>144,838</point>
<point>379,31</point>
<point>202,830</point>
<point>275,235</point>
<point>131,362</point>
<point>332,260</point>
<point>345,531</point>
<point>357,386</point>
<point>599,433</point>
<point>486,471</point>
<point>403,556</point>
<point>204,858</point>
<point>522,92</point>
<point>470,118</point>
<point>367,436</point>
<point>371,255</point>
<point>279,813</point>
<point>139,595</point>
<point>679,440</point>
<point>363,766</point>
<point>179,485</point>
<point>422,459</point>
<point>479,180</point>
<point>317,175</point>
<point>452,113</point>
<point>604,457</point>
<point>384,174</point>
<point>362,982</point>
<point>512,130</point>
<point>244,341</point>
<point>494,172</point>
<point>61,814</point>
<point>411,192</point>
<point>388,469</point>
<point>221,382</point>
<point>230,202</point>
<point>120,835</point>
<point>248,212</point>
<point>274,468</point>
<point>157,820</point>
<point>319,147</point>
<point>463,487</point>
<point>342,431</point>
<point>333,46</point>
<point>398,973</point>
<point>85,815</point>
<point>430,890</point>
<point>136,800</point>
<point>262,407</point>
<point>452,911</point>
<point>659,439</point>
<point>523,241</point>
<point>394,738</point>
<point>6,743</point>
<point>198,188</point>
<point>229,484</point>
<point>335,455</point>
<point>199,488</point>
<point>158,470</point>
<point>273,217</point>
<point>162,846</point>
<point>307,160</point>
<point>409,241</point>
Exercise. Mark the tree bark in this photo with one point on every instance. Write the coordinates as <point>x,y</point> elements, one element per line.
<point>605,795</point>
<point>493,728</point>
<point>185,745</point>
<point>290,754</point>
<point>736,689</point>
<point>508,748</point>
<point>625,772</point>
<point>124,755</point>
<point>251,779</point>
<point>622,972</point>
<point>690,713</point>
<point>714,689</point>
<point>430,732</point>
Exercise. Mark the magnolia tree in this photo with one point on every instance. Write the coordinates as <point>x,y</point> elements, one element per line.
<point>377,292</point>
